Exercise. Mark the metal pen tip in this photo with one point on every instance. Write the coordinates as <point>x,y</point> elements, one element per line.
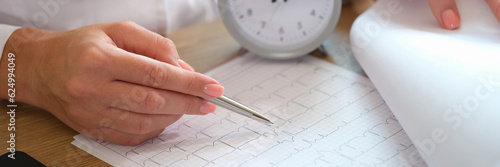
<point>239,108</point>
<point>263,118</point>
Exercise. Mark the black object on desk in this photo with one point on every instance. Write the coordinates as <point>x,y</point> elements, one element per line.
<point>22,159</point>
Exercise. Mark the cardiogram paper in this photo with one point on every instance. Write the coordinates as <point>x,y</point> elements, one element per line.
<point>323,116</point>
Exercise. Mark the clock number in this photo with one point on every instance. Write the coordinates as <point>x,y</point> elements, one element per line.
<point>263,24</point>
<point>249,12</point>
<point>299,25</point>
<point>313,13</point>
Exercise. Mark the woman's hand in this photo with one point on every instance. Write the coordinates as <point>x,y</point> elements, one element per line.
<point>115,82</point>
<point>446,12</point>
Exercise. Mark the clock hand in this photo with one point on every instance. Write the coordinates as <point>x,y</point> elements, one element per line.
<point>272,16</point>
<point>273,1</point>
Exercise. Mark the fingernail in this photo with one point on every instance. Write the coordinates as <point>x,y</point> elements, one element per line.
<point>185,65</point>
<point>450,19</point>
<point>207,107</point>
<point>214,90</point>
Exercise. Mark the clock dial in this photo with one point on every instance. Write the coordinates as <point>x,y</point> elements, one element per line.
<point>280,26</point>
<point>282,22</point>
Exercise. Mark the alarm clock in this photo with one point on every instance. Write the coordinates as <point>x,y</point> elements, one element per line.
<point>280,29</point>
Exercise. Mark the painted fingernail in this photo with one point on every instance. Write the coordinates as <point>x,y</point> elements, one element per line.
<point>214,90</point>
<point>450,19</point>
<point>207,107</point>
<point>185,65</point>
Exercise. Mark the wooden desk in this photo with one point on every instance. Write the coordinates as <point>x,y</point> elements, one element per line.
<point>206,46</point>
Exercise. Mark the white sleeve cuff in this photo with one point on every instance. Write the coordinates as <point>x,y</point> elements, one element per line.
<point>184,13</point>
<point>5,32</point>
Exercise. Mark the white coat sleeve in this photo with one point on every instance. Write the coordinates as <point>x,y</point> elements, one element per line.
<point>5,32</point>
<point>184,13</point>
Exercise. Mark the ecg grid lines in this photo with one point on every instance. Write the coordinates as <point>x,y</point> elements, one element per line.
<point>322,117</point>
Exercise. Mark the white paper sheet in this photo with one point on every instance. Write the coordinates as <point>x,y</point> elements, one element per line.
<point>443,86</point>
<point>324,116</point>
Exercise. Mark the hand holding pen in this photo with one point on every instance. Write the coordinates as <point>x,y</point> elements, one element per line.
<point>115,82</point>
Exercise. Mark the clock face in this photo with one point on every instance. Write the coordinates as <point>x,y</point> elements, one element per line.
<point>280,27</point>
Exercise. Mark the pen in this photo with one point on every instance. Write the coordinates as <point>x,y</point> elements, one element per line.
<point>239,108</point>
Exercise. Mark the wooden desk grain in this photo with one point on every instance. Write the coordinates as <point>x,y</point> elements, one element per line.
<point>206,46</point>
<point>44,137</point>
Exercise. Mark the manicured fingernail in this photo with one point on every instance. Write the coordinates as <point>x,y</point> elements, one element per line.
<point>214,90</point>
<point>207,107</point>
<point>185,65</point>
<point>450,19</point>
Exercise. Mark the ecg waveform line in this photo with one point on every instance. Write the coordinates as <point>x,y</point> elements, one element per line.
<point>322,116</point>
